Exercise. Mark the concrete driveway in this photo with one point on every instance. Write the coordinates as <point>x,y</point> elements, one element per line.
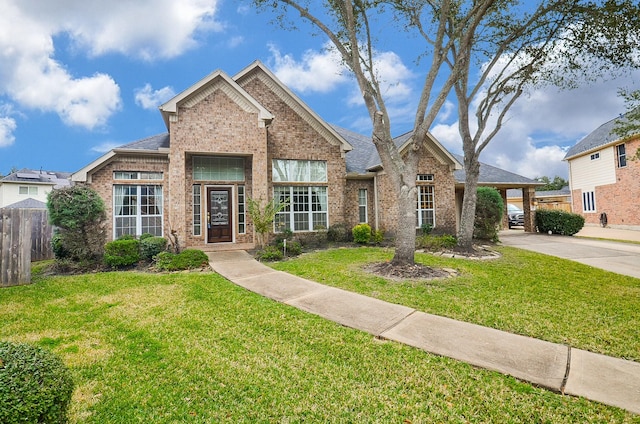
<point>622,258</point>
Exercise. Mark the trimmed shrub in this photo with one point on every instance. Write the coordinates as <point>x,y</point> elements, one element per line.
<point>269,253</point>
<point>35,385</point>
<point>187,259</point>
<point>361,233</point>
<point>434,243</point>
<point>144,236</point>
<point>57,245</point>
<point>558,222</point>
<point>151,246</point>
<point>489,210</point>
<point>377,236</point>
<point>122,252</point>
<point>294,248</point>
<point>339,233</point>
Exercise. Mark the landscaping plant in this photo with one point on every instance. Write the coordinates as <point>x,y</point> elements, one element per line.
<point>35,386</point>
<point>489,212</point>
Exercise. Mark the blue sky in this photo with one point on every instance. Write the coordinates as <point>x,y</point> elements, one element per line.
<point>80,77</point>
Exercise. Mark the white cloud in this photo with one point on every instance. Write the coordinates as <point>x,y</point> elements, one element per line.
<point>31,77</point>
<point>105,147</point>
<point>318,72</point>
<point>148,98</point>
<point>235,41</point>
<point>7,127</point>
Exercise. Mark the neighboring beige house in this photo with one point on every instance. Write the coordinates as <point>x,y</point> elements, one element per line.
<point>249,136</point>
<point>27,188</point>
<point>604,180</point>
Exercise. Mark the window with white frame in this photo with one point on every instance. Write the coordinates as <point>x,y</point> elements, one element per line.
<point>242,224</point>
<point>588,201</point>
<point>306,208</point>
<point>197,210</point>
<point>137,175</point>
<point>28,190</point>
<point>595,156</point>
<point>137,209</point>
<point>621,155</point>
<point>424,177</point>
<point>426,214</point>
<point>362,206</point>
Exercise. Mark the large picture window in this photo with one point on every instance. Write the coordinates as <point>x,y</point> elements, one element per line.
<point>137,209</point>
<point>426,214</point>
<point>306,209</point>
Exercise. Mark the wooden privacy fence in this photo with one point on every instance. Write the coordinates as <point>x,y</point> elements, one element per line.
<point>25,236</point>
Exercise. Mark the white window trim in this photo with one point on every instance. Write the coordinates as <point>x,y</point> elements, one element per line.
<point>589,199</point>
<point>419,210</point>
<point>138,215</point>
<point>363,205</point>
<point>289,210</point>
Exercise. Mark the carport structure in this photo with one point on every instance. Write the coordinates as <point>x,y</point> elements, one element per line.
<point>491,176</point>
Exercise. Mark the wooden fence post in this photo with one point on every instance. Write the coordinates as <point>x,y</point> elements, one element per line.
<point>15,247</point>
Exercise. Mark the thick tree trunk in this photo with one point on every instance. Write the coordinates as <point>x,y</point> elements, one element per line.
<point>406,227</point>
<point>465,233</point>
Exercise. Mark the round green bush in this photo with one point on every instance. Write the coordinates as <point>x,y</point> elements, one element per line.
<point>269,253</point>
<point>489,212</point>
<point>35,385</point>
<point>122,252</point>
<point>151,246</point>
<point>361,233</point>
<point>338,233</point>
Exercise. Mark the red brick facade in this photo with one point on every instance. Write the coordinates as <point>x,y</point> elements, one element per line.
<point>255,118</point>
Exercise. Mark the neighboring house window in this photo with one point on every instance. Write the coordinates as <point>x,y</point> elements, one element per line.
<point>137,209</point>
<point>362,205</point>
<point>306,209</point>
<point>197,210</point>
<point>595,156</point>
<point>242,226</point>
<point>588,201</point>
<point>28,190</point>
<point>134,175</point>
<point>426,210</point>
<point>213,168</point>
<point>621,153</point>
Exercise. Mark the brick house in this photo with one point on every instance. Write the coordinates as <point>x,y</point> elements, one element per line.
<point>603,179</point>
<point>231,138</point>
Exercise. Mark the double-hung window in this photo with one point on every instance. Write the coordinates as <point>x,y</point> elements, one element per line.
<point>588,201</point>
<point>426,213</point>
<point>301,184</point>
<point>621,155</point>
<point>137,209</point>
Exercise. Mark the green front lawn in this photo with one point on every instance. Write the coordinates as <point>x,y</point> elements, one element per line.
<point>194,348</point>
<point>523,292</point>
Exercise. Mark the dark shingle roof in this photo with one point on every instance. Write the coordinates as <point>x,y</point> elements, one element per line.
<point>493,175</point>
<point>27,204</point>
<point>364,154</point>
<point>155,142</point>
<point>601,136</point>
<point>25,175</point>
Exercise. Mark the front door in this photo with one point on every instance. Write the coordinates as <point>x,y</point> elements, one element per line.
<point>219,215</point>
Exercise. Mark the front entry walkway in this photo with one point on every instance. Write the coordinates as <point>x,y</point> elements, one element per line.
<point>576,372</point>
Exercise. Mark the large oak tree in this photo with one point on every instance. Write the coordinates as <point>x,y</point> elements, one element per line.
<point>512,44</point>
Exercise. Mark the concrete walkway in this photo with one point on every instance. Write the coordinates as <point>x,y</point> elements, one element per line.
<point>576,372</point>
<point>615,256</point>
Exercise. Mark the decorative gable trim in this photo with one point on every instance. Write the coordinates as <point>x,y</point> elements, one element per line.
<point>215,81</point>
<point>258,71</point>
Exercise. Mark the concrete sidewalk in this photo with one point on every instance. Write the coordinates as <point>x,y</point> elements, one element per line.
<point>612,381</point>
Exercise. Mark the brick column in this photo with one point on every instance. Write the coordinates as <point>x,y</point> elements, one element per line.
<point>527,195</point>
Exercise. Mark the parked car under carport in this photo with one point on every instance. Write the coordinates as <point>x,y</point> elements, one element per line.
<point>516,216</point>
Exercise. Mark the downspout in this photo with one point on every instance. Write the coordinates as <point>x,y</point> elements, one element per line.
<point>375,200</point>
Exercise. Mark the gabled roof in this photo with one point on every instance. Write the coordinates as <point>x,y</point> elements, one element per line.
<point>154,145</point>
<point>493,176</point>
<point>365,158</point>
<point>27,204</point>
<point>258,70</point>
<point>30,176</point>
<point>600,137</point>
<point>217,80</point>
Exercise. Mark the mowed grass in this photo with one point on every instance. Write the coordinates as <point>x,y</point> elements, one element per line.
<point>522,292</point>
<point>195,348</point>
